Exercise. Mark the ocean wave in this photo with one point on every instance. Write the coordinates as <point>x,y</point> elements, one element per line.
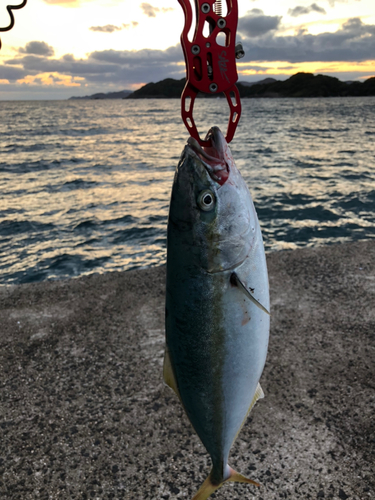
<point>12,227</point>
<point>86,186</point>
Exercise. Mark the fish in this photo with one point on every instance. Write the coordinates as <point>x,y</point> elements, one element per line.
<point>217,301</point>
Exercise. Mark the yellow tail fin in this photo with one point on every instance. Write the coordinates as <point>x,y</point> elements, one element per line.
<point>239,478</point>
<point>208,487</point>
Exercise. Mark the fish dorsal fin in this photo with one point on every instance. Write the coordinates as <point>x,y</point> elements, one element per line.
<point>235,280</point>
<point>168,374</point>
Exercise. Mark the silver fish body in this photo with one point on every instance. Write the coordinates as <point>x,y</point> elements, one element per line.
<point>217,324</point>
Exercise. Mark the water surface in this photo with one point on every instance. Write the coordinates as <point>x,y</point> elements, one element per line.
<point>85,185</point>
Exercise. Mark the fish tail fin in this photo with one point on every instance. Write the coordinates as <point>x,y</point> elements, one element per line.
<point>239,478</point>
<point>208,487</point>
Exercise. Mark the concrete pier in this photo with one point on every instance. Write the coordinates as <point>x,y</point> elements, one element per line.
<point>85,414</point>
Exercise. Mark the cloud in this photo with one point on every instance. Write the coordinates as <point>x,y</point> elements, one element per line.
<point>37,48</point>
<point>301,11</point>
<point>332,2</point>
<point>354,41</point>
<point>115,67</point>
<point>256,68</point>
<point>110,28</point>
<point>65,3</point>
<point>51,79</point>
<point>151,11</point>
<point>12,74</point>
<point>255,23</point>
<point>147,57</point>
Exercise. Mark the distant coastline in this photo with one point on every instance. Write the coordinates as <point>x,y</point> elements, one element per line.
<point>122,94</point>
<point>298,85</point>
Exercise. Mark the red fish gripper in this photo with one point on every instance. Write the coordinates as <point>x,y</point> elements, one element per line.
<point>210,59</point>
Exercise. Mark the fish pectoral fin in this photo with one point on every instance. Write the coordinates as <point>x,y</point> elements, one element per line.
<point>235,280</point>
<point>259,394</point>
<point>168,374</point>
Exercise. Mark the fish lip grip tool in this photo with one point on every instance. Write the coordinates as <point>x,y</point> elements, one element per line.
<point>210,66</point>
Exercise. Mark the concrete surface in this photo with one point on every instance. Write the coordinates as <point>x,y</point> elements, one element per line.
<point>84,413</point>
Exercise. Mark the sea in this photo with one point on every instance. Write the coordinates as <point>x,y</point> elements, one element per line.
<point>85,184</point>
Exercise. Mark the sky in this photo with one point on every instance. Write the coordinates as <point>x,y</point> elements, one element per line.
<point>61,48</point>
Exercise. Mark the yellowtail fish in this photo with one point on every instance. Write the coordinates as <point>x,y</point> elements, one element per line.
<point>217,303</point>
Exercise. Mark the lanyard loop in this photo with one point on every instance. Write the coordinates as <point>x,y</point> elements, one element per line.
<point>210,59</point>
<point>9,9</point>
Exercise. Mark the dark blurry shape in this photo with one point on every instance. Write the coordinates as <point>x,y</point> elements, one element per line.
<point>9,9</point>
<point>240,53</point>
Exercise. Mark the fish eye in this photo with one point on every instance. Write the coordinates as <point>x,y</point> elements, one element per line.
<point>206,200</point>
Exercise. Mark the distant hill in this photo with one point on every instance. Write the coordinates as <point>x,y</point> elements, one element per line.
<point>168,88</point>
<point>266,81</point>
<point>121,94</point>
<point>308,85</point>
<point>298,85</point>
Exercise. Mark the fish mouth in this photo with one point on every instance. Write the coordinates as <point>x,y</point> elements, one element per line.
<point>213,157</point>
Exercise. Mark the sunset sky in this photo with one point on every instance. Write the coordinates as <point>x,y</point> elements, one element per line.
<point>60,48</point>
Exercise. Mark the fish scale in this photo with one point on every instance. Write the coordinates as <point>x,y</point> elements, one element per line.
<point>217,302</point>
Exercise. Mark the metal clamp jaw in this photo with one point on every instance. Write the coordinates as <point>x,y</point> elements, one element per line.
<point>210,59</point>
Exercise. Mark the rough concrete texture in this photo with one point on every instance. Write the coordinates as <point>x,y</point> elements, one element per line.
<point>85,414</point>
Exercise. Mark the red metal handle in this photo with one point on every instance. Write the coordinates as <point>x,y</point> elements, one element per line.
<point>187,103</point>
<point>210,65</point>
